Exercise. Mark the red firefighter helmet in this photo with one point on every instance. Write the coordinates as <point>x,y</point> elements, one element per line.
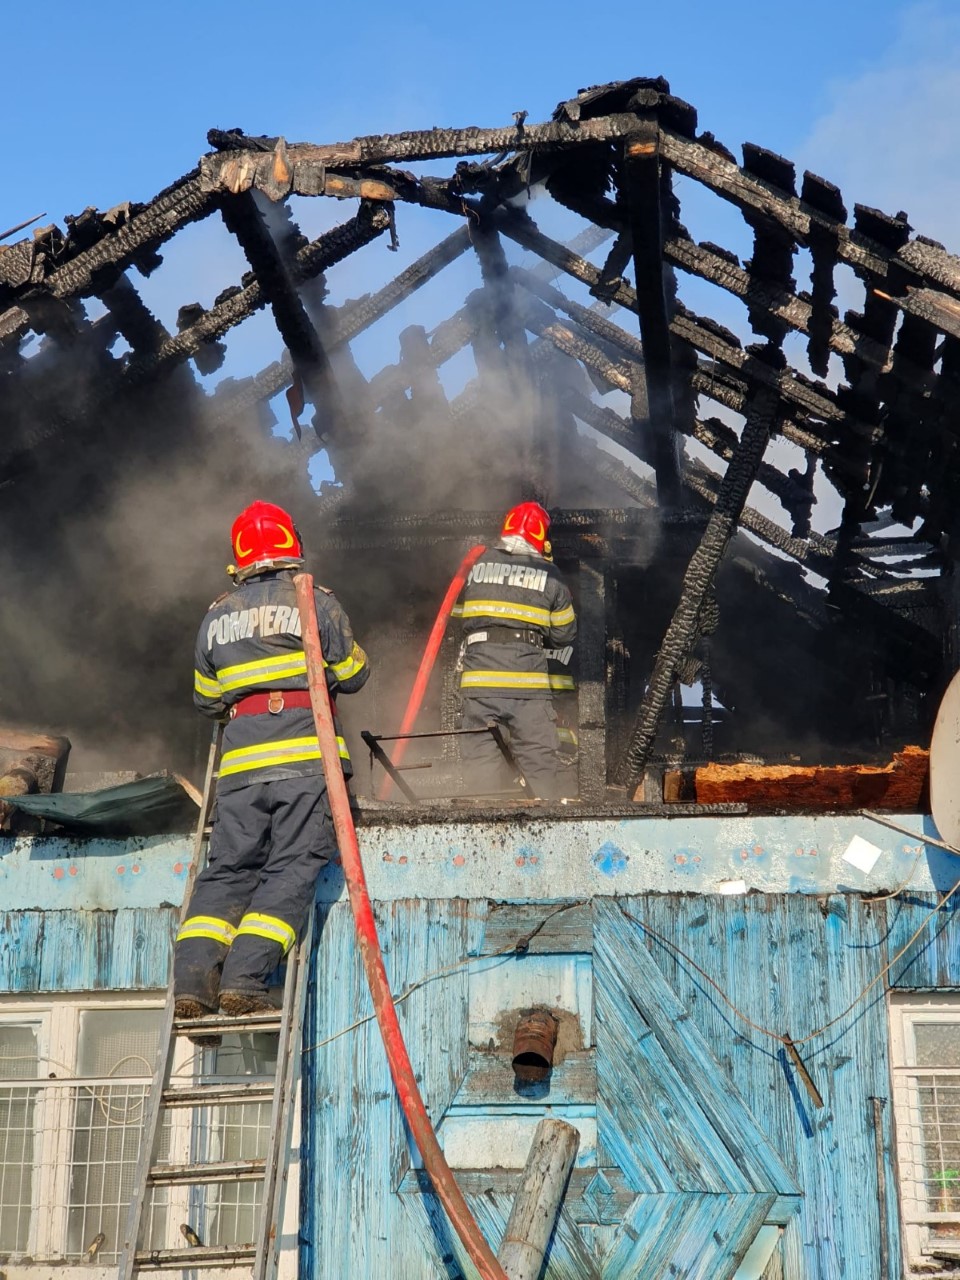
<point>265,537</point>
<point>528,521</point>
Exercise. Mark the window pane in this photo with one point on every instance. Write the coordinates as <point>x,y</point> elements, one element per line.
<point>18,1051</point>
<point>229,1211</point>
<point>18,1061</point>
<point>937,1044</point>
<point>118,1042</point>
<point>939,1098</point>
<point>108,1124</point>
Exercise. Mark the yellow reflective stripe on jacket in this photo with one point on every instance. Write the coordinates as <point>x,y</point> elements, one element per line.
<point>456,611</point>
<point>568,736</point>
<point>207,927</point>
<point>263,670</point>
<point>270,927</point>
<point>505,680</point>
<point>508,609</point>
<point>561,682</point>
<point>562,616</point>
<point>267,755</point>
<point>355,661</point>
<point>205,687</point>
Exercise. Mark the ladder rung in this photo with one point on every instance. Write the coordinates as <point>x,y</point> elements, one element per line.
<point>213,1094</point>
<point>217,1025</point>
<point>222,1255</point>
<point>194,1174</point>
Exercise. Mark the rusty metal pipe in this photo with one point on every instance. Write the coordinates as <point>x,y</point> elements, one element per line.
<point>368,942</point>
<point>534,1042</point>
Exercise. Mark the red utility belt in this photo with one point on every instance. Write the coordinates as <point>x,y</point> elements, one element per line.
<point>274,701</point>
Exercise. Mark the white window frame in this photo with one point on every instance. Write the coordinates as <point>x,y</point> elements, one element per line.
<point>908,1010</point>
<point>57,1015</point>
<point>58,1019</point>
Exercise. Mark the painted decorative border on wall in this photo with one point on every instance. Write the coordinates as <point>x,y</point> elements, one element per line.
<point>514,861</point>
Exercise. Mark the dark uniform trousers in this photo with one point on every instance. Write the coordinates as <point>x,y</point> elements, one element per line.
<point>530,727</point>
<point>514,604</point>
<point>269,843</point>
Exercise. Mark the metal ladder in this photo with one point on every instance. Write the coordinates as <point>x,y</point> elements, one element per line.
<point>199,1101</point>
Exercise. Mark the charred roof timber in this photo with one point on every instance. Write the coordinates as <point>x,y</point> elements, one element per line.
<point>695,549</point>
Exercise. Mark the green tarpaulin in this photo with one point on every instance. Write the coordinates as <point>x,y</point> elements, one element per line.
<point>147,806</point>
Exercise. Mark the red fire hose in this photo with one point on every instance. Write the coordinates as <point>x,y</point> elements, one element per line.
<point>401,1068</point>
<point>434,641</point>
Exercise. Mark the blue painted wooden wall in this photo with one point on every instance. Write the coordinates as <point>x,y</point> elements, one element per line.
<point>704,1131</point>
<point>124,950</point>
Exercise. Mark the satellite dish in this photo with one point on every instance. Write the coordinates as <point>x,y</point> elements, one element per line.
<point>945,766</point>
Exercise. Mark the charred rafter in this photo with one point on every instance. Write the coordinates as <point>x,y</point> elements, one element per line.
<point>698,582</point>
<point>642,189</point>
<point>273,274</point>
<point>734,374</point>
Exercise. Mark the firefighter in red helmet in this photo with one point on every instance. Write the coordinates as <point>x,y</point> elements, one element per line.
<point>272,831</point>
<point>515,603</point>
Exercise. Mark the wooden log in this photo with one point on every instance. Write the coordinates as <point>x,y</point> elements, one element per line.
<point>901,786</point>
<point>541,1190</point>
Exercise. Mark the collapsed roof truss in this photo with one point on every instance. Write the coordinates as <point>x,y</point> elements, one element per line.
<point>884,437</point>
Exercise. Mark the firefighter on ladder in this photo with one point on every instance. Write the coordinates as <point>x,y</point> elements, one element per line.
<point>515,603</point>
<point>272,829</point>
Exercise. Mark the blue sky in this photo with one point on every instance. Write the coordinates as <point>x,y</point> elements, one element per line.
<point>111,101</point>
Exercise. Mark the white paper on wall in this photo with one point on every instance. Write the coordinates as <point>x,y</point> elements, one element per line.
<point>862,854</point>
<point>732,886</point>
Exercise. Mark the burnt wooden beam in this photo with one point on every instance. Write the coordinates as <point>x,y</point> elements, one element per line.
<point>812,317</point>
<point>642,184</point>
<point>231,399</point>
<point>931,259</point>
<point>124,238</point>
<point>354,317</point>
<point>14,323</point>
<point>139,326</point>
<point>289,171</point>
<point>717,437</point>
<point>449,337</point>
<point>498,288</point>
<point>900,271</point>
<point>244,220</point>
<point>585,317</point>
<point>723,381</point>
<point>681,633</point>
<point>705,262</point>
<point>879,616</point>
<point>259,166</point>
<point>498,334</point>
<point>824,196</point>
<point>350,320</point>
<point>427,395</point>
<point>814,550</point>
<point>773,247</point>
